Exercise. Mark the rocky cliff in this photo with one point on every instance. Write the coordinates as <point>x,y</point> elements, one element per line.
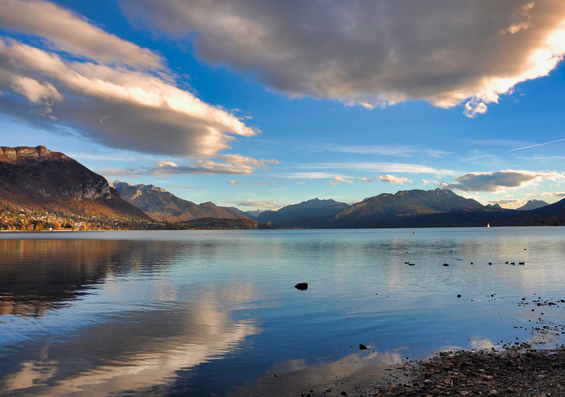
<point>37,178</point>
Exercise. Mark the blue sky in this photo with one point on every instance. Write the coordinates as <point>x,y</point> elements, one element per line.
<point>215,104</point>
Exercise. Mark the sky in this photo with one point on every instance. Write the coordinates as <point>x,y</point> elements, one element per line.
<point>261,103</point>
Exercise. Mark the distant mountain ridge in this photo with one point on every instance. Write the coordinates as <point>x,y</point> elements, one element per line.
<point>164,206</point>
<point>402,204</point>
<point>533,205</point>
<point>310,208</point>
<point>39,179</point>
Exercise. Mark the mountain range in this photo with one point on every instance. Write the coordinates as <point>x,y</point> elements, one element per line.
<point>164,206</point>
<point>532,205</point>
<point>309,208</point>
<point>34,178</point>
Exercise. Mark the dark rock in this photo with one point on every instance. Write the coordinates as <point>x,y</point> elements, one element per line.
<point>301,286</point>
<point>446,264</point>
<point>362,347</point>
<point>459,295</point>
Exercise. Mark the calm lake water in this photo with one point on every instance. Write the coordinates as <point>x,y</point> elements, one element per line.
<point>201,313</point>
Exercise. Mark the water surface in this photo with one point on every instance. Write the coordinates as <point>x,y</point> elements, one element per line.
<point>196,312</point>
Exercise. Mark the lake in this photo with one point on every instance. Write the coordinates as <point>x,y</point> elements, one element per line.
<point>216,312</point>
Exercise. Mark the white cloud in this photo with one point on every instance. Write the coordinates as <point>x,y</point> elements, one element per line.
<point>271,205</point>
<point>374,53</point>
<point>338,179</point>
<point>71,33</point>
<point>387,178</point>
<point>536,145</point>
<point>111,90</point>
<point>427,182</point>
<point>499,181</point>
<point>235,183</point>
<point>390,150</point>
<point>310,175</point>
<point>240,165</point>
<point>381,167</point>
<point>393,179</point>
<point>508,203</point>
<point>474,107</point>
<point>553,194</point>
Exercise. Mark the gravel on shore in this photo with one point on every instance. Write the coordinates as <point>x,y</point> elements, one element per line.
<point>519,371</point>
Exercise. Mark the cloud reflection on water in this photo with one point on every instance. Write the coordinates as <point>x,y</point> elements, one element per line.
<point>133,348</point>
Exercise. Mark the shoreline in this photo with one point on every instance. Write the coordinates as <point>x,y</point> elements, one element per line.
<point>517,371</point>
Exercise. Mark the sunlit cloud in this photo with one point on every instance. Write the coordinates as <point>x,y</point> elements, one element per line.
<point>500,181</point>
<point>380,167</point>
<point>235,183</point>
<point>109,89</point>
<point>553,194</point>
<point>232,165</point>
<point>311,175</point>
<point>338,179</point>
<point>427,182</point>
<point>386,178</point>
<point>373,53</point>
<point>393,179</point>
<point>508,203</point>
<point>271,205</point>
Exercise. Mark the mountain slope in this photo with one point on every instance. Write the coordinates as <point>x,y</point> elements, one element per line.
<point>549,215</point>
<point>310,208</point>
<point>403,204</point>
<point>164,206</point>
<point>38,179</point>
<point>532,205</point>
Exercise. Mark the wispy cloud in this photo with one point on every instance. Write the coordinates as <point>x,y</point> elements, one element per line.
<point>235,183</point>
<point>553,194</point>
<point>233,165</point>
<point>389,150</point>
<point>311,175</point>
<point>386,178</point>
<point>379,167</point>
<point>536,145</point>
<point>545,158</point>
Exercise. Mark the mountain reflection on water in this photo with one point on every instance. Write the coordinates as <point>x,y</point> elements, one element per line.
<point>138,346</point>
<point>191,313</point>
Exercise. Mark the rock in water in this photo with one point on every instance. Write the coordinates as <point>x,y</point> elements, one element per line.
<point>301,286</point>
<point>362,347</point>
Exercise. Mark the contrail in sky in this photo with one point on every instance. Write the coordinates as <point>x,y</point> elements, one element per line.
<point>539,144</point>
